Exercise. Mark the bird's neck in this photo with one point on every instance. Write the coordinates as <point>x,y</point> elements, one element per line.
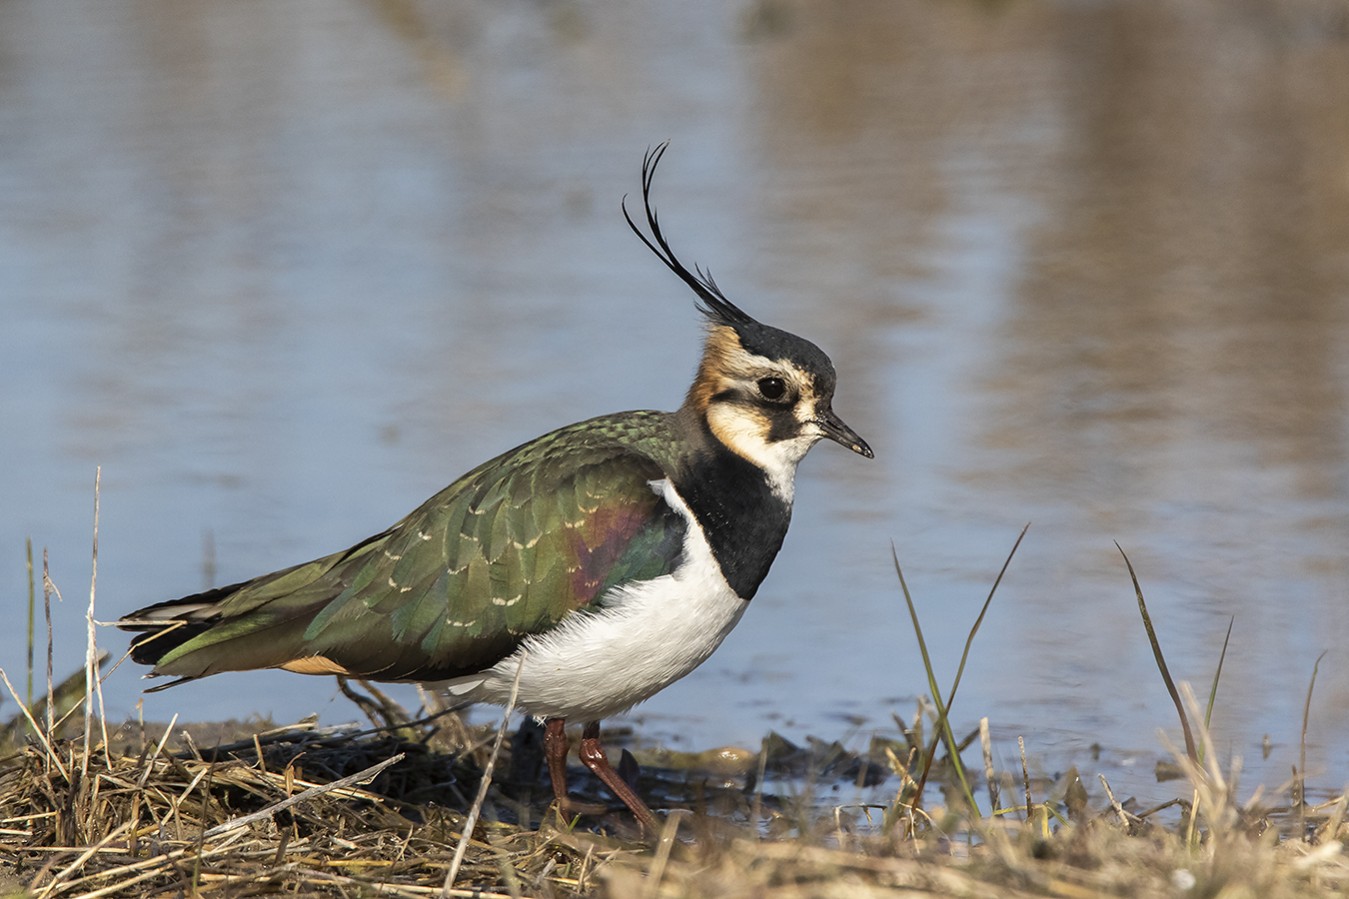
<point>743,513</point>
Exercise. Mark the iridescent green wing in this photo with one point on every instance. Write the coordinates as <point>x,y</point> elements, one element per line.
<point>508,550</point>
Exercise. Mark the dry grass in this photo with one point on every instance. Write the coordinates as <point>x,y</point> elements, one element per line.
<point>306,811</point>
<point>313,811</point>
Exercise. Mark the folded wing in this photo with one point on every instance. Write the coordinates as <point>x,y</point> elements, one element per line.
<point>508,550</point>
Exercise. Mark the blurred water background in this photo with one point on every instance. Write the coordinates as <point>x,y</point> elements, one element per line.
<point>285,269</point>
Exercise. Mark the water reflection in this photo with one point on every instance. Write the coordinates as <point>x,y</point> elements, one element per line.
<point>285,271</point>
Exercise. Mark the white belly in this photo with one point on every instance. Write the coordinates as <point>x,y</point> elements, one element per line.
<point>646,637</point>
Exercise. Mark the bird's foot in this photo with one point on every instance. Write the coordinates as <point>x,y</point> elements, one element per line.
<point>570,807</point>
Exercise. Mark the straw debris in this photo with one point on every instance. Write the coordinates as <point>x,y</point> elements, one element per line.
<point>303,810</point>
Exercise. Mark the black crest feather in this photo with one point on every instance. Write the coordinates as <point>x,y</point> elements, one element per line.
<point>713,302</point>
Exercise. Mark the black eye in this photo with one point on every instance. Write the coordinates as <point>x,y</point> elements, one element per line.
<point>772,388</point>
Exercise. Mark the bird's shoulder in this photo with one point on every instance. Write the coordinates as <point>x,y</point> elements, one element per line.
<point>588,465</point>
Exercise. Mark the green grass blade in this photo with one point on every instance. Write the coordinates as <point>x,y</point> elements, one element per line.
<point>32,615</point>
<point>1161,660</point>
<point>969,640</point>
<point>942,731</point>
<point>1213,690</point>
<point>1300,782</point>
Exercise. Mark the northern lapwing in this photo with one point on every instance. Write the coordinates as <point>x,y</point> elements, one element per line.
<point>598,563</point>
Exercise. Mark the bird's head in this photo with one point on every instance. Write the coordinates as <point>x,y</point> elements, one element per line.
<point>764,393</point>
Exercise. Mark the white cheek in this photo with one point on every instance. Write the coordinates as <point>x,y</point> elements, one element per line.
<point>748,438</point>
<point>744,434</point>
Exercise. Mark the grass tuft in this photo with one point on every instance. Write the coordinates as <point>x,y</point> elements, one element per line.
<point>942,728</point>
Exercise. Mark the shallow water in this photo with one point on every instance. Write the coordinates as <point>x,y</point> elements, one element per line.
<point>283,271</point>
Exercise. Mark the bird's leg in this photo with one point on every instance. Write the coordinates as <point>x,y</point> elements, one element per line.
<point>593,757</point>
<point>555,752</point>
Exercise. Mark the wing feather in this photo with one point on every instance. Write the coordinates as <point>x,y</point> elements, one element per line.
<point>508,550</point>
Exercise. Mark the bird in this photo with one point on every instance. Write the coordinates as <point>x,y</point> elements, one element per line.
<point>582,571</point>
